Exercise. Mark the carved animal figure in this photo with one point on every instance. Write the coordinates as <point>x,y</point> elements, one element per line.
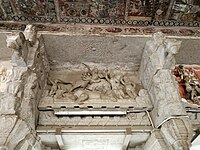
<point>129,87</point>
<point>60,87</point>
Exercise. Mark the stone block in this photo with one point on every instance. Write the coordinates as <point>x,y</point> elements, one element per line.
<point>165,97</point>
<point>47,118</point>
<point>18,134</point>
<point>123,121</point>
<point>85,120</point>
<point>8,104</point>
<point>143,99</point>
<point>20,90</point>
<point>156,142</point>
<point>3,148</point>
<point>6,126</point>
<point>103,121</point>
<point>177,133</point>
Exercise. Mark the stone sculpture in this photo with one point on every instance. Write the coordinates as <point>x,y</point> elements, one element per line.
<point>129,87</point>
<point>94,84</point>
<point>17,42</point>
<point>158,54</point>
<point>30,34</point>
<point>172,48</point>
<point>21,81</point>
<point>174,130</point>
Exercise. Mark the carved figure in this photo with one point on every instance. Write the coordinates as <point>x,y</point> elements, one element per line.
<point>129,87</point>
<point>172,47</point>
<point>79,84</point>
<point>54,88</point>
<point>59,87</point>
<point>117,88</point>
<point>92,76</point>
<point>94,84</point>
<point>193,90</point>
<point>30,34</point>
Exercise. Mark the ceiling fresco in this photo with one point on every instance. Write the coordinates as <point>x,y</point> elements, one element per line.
<point>125,12</point>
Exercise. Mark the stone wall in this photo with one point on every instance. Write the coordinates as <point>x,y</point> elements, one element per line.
<point>169,116</point>
<point>22,80</point>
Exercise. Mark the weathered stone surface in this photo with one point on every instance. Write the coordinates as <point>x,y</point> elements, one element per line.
<point>3,148</point>
<point>48,118</point>
<point>168,112</point>
<point>29,68</point>
<point>7,124</point>
<point>8,104</point>
<point>143,99</point>
<point>158,54</point>
<point>155,142</point>
<point>29,142</point>
<point>194,117</point>
<point>177,133</point>
<point>165,97</point>
<point>22,137</point>
<point>21,81</point>
<point>5,74</point>
<point>18,133</point>
<point>107,50</point>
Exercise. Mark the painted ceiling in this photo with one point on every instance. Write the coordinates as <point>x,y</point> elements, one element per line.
<point>119,12</point>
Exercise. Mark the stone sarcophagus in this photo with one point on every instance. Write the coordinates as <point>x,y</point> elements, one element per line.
<point>92,75</point>
<point>94,87</point>
<point>55,89</point>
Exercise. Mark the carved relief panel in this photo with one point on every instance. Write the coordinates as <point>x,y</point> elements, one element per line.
<point>93,83</point>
